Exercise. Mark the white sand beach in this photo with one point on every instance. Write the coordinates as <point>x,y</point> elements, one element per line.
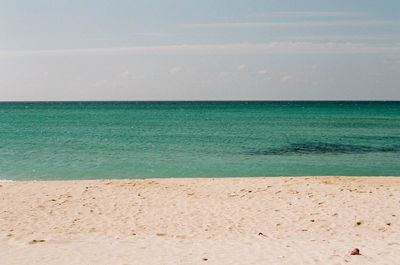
<point>298,220</point>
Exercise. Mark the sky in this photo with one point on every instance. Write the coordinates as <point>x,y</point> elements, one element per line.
<point>68,50</point>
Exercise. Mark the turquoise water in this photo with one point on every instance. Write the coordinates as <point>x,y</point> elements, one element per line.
<point>198,139</point>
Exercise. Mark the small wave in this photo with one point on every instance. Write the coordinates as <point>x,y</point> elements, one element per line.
<point>6,180</point>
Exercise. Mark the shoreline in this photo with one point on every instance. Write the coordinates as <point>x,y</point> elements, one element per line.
<point>252,220</point>
<point>215,178</point>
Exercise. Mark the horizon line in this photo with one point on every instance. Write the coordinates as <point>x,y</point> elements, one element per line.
<point>192,101</point>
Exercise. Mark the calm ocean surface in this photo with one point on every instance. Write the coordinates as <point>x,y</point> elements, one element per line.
<point>198,139</point>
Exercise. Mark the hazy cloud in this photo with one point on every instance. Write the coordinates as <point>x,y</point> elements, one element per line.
<point>234,48</point>
<point>153,34</point>
<point>353,23</point>
<point>340,37</point>
<point>313,14</point>
<point>392,61</point>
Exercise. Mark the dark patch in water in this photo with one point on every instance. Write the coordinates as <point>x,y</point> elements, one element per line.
<point>324,148</point>
<point>375,138</point>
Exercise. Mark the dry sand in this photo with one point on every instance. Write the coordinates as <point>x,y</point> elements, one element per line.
<point>315,220</point>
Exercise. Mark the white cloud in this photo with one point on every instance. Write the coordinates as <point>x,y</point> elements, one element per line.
<point>99,83</point>
<point>127,75</point>
<point>223,74</point>
<point>262,72</point>
<point>138,77</point>
<point>211,49</point>
<point>241,67</point>
<point>354,23</point>
<point>175,70</point>
<point>124,74</point>
<point>286,78</point>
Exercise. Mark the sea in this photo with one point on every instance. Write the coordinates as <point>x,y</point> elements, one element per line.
<point>96,140</point>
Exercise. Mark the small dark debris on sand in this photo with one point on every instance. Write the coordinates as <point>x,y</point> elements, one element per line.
<point>355,251</point>
<point>37,241</point>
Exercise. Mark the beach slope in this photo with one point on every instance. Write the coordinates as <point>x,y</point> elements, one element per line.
<point>299,220</point>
